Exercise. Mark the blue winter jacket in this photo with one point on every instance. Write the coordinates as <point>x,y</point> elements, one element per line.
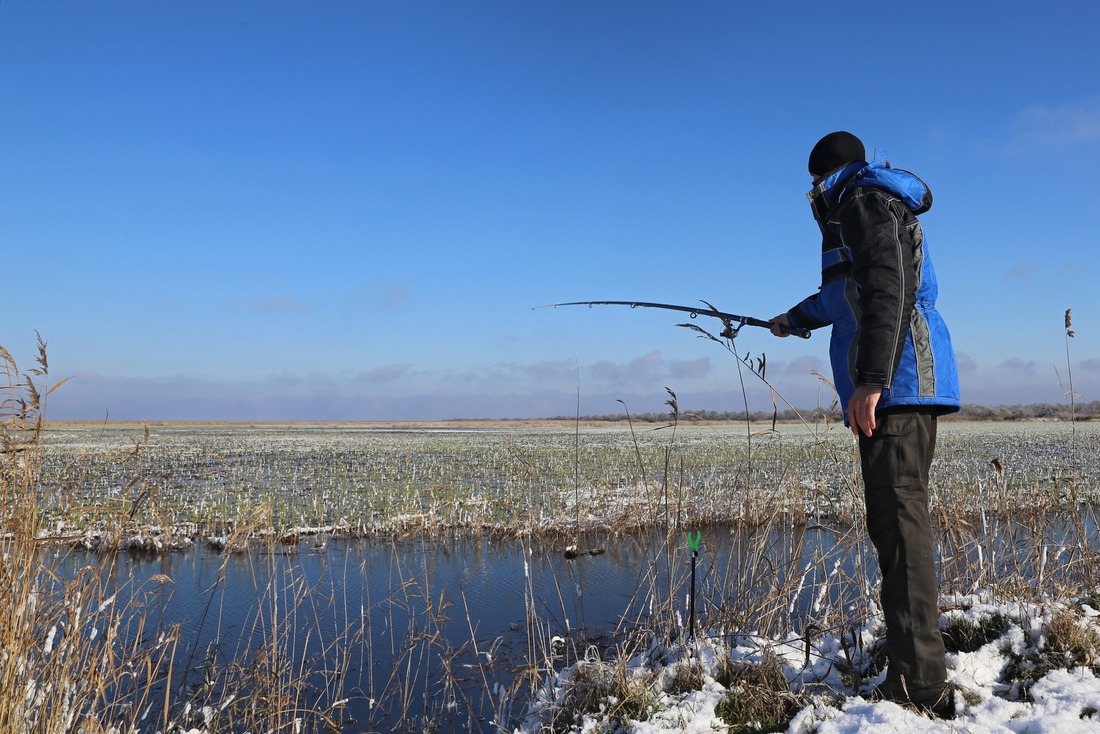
<point>878,291</point>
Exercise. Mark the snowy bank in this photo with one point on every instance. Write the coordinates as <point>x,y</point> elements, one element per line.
<point>1017,668</point>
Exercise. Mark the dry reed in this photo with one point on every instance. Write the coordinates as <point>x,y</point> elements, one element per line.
<point>72,655</point>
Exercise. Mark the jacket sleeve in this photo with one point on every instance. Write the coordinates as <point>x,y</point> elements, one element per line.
<point>872,228</point>
<point>810,313</point>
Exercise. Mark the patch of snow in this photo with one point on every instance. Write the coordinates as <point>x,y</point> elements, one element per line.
<point>1061,701</point>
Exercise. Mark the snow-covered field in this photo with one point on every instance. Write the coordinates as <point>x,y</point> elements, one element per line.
<point>527,478</point>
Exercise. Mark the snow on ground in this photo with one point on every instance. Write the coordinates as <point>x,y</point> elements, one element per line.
<point>1033,673</point>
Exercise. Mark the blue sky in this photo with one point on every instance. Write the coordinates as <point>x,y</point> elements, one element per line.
<point>348,210</point>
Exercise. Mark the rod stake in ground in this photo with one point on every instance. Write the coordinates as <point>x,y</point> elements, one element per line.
<point>694,539</point>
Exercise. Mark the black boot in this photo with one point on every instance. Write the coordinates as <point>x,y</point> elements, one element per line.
<point>937,699</point>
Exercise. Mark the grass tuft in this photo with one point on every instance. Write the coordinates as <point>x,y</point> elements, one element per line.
<point>966,634</point>
<point>759,696</point>
<point>599,690</point>
<point>1064,640</point>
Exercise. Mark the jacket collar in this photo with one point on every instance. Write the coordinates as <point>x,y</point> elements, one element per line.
<point>826,192</point>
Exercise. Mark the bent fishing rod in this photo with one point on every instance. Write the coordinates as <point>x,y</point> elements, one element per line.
<point>731,321</point>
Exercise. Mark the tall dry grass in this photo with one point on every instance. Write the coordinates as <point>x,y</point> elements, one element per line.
<point>73,658</point>
<point>79,650</point>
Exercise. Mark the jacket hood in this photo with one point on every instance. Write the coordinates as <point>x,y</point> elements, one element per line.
<point>878,174</point>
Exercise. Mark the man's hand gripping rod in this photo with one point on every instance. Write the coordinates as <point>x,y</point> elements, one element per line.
<point>732,321</point>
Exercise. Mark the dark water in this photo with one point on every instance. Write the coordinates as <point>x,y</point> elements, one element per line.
<point>384,634</point>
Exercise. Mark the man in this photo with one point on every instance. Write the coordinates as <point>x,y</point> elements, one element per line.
<point>894,370</point>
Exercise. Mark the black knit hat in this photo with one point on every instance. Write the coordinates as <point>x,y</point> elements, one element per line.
<point>833,151</point>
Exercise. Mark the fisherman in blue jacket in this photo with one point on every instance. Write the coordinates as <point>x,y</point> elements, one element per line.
<point>894,369</point>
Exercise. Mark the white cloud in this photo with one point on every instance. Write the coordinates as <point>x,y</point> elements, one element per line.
<point>385,373</point>
<point>378,298</point>
<point>1092,365</point>
<point>1023,271</point>
<point>280,303</point>
<point>1057,127</point>
<point>692,369</point>
<point>516,390</point>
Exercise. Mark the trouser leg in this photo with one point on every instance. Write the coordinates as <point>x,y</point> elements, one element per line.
<point>895,463</point>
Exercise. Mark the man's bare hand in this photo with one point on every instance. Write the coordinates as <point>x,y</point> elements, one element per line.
<point>861,409</point>
<point>778,323</point>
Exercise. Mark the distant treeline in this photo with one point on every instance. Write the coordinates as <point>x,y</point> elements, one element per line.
<point>1031,411</point>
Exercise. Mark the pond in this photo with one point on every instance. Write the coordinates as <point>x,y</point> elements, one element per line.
<point>385,635</point>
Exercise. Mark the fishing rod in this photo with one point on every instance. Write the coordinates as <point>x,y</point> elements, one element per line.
<point>731,321</point>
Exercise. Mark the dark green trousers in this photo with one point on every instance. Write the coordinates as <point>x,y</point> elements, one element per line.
<point>895,462</point>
